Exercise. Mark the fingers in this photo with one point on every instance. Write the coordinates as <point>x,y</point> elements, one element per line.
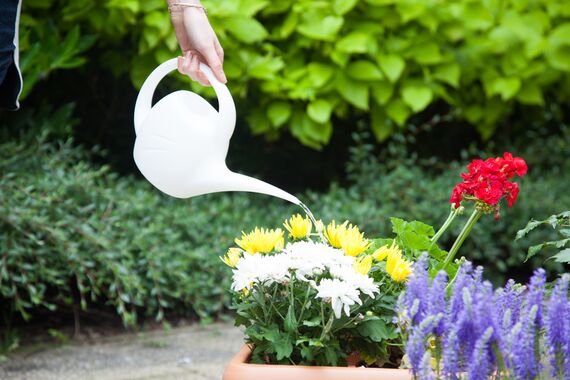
<point>189,65</point>
<point>184,63</point>
<point>219,50</point>
<point>213,59</point>
<point>197,74</point>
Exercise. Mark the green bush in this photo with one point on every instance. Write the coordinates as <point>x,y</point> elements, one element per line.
<point>77,235</point>
<point>304,66</point>
<point>73,234</point>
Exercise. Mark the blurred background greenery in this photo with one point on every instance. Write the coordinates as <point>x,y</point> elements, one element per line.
<point>367,109</point>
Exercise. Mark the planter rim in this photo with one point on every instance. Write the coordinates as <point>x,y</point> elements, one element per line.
<point>240,369</point>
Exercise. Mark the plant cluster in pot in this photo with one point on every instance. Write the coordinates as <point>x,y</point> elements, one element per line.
<point>320,306</point>
<point>325,305</point>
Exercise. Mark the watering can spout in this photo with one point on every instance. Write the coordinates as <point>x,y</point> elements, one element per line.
<point>239,182</point>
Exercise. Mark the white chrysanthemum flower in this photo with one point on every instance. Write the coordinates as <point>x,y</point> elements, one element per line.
<point>312,259</point>
<point>247,272</point>
<point>252,269</point>
<point>359,281</point>
<point>341,294</point>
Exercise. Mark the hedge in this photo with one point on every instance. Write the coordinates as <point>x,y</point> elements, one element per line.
<point>74,234</point>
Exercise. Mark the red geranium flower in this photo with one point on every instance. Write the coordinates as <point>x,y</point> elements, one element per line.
<point>487,182</point>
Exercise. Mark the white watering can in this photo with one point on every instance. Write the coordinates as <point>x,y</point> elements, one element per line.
<point>182,142</point>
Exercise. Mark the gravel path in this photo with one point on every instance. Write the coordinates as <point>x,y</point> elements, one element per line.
<point>195,352</point>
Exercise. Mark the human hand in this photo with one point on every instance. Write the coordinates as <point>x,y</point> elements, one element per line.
<point>198,42</point>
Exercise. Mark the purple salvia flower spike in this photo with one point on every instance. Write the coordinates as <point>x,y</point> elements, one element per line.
<point>425,370</point>
<point>451,351</point>
<point>524,358</point>
<point>416,346</point>
<point>480,363</point>
<point>462,280</point>
<point>556,323</point>
<point>417,285</point>
<point>436,300</point>
<point>535,293</point>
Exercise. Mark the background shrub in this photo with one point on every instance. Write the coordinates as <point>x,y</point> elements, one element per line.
<point>76,235</point>
<point>308,67</point>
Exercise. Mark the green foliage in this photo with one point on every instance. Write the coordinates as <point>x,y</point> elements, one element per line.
<point>288,324</point>
<point>73,234</point>
<point>559,222</point>
<point>47,49</point>
<point>288,321</point>
<point>77,235</point>
<point>302,66</point>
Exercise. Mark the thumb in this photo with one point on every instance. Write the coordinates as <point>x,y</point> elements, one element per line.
<point>213,60</point>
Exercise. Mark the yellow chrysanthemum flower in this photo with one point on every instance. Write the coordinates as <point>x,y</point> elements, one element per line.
<point>363,265</point>
<point>398,268</point>
<point>334,233</point>
<point>261,240</point>
<point>383,252</point>
<point>232,257</point>
<point>298,226</point>
<point>352,241</point>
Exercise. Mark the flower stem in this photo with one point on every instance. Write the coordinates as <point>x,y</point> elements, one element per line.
<point>453,213</point>
<point>462,235</point>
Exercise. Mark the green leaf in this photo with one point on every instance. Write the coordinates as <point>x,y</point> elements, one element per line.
<point>531,94</point>
<point>382,91</point>
<point>476,16</point>
<point>507,88</point>
<point>558,48</point>
<point>528,228</point>
<point>320,110</point>
<point>392,65</point>
<point>448,73</point>
<point>320,73</point>
<point>251,7</point>
<point>245,29</point>
<point>354,92</point>
<point>398,111</point>
<point>398,225</point>
<point>290,322</point>
<point>312,322</point>
<point>562,256</point>
<point>532,251</point>
<point>279,112</point>
<point>381,126</point>
<point>344,6</point>
<point>321,29</point>
<point>427,54</point>
<point>376,330</point>
<point>364,70</point>
<point>283,346</point>
<point>410,10</point>
<point>356,42</point>
<point>258,122</point>
<point>265,67</point>
<point>289,24</point>
<point>418,97</point>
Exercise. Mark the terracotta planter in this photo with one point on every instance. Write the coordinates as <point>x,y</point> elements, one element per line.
<point>240,369</point>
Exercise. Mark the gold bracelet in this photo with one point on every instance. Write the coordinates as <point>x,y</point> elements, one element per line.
<point>181,6</point>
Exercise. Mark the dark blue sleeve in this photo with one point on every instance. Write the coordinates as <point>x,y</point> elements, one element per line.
<point>10,83</point>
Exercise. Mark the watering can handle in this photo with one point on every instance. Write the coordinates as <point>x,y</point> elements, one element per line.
<point>227,109</point>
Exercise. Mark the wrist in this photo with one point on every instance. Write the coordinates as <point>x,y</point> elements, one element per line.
<point>192,2</point>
